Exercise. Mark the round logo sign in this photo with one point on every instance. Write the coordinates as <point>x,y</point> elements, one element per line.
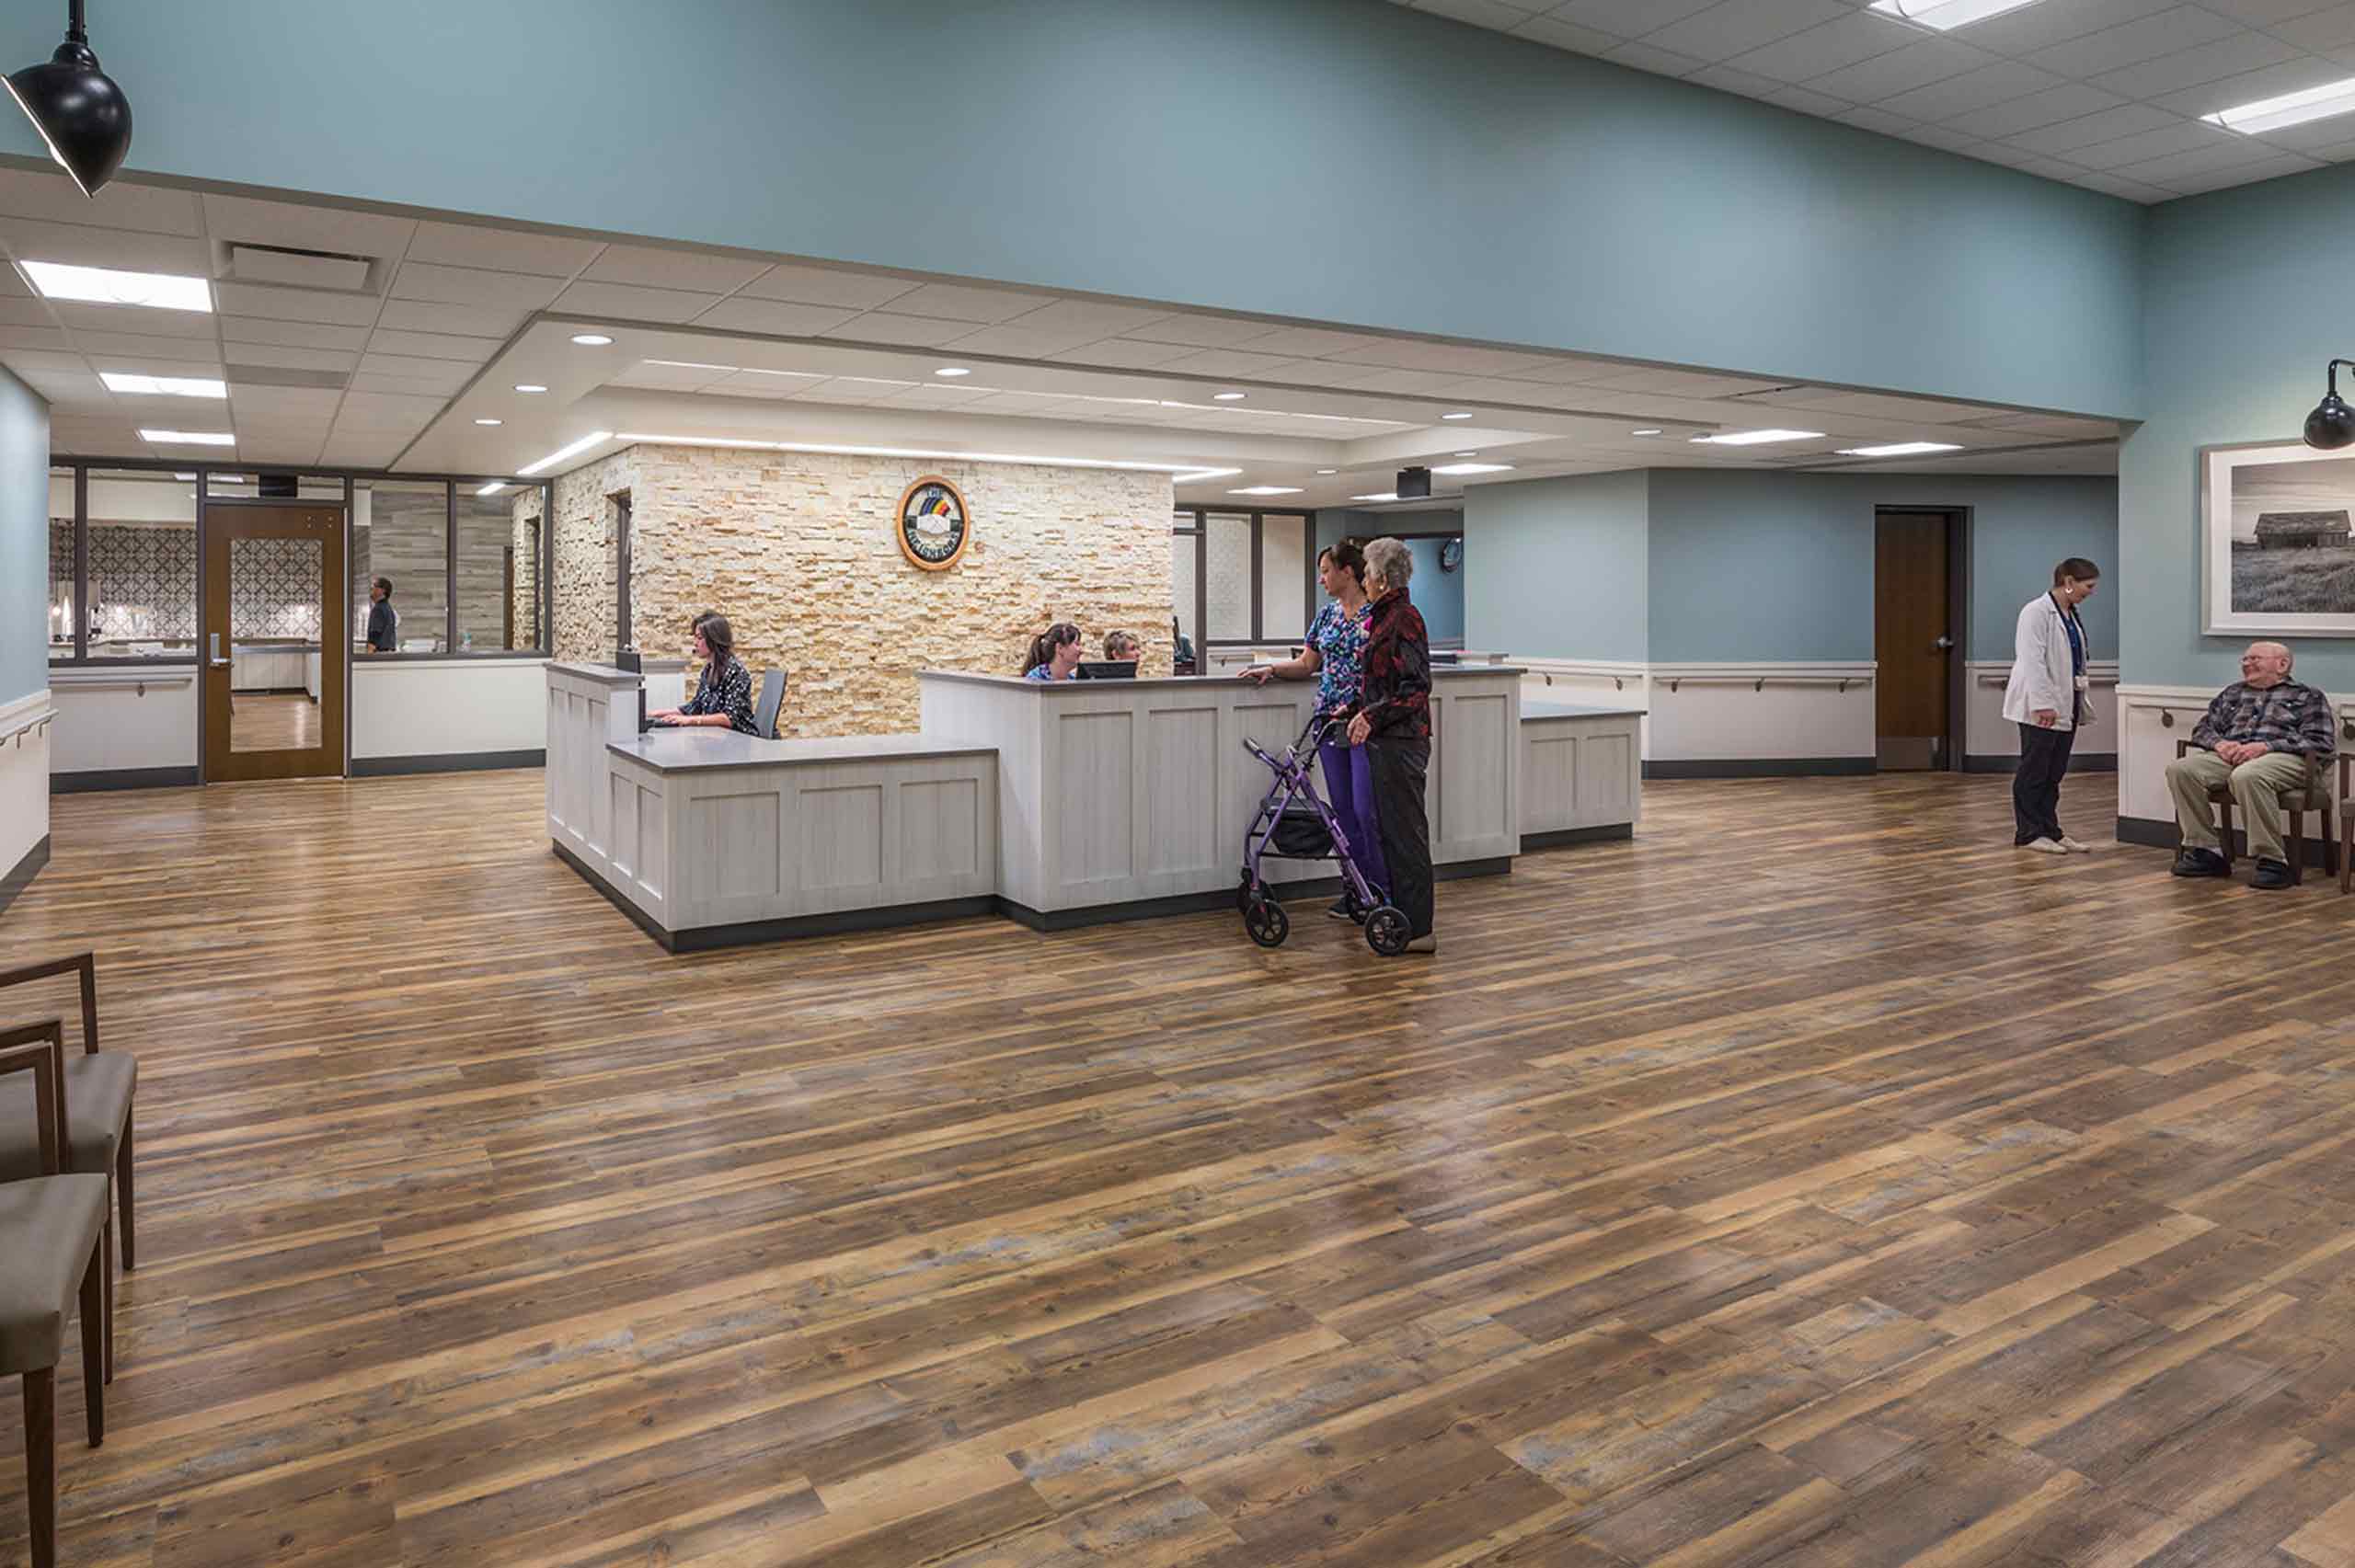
<point>934,524</point>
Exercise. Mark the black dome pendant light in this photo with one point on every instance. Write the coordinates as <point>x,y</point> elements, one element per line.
<point>2332,424</point>
<point>80,113</point>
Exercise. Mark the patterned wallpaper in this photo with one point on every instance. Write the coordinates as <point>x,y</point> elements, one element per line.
<point>143,581</point>
<point>274,588</point>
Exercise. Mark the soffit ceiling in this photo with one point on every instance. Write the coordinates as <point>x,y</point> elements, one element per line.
<point>388,358</point>
<point>2106,94</point>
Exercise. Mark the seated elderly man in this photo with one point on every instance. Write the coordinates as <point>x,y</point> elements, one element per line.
<point>2259,736</point>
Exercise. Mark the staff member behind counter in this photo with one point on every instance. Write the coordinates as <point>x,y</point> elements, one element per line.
<point>1055,654</point>
<point>723,698</point>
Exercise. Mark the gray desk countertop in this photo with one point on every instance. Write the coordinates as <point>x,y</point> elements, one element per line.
<point>1572,710</point>
<point>709,748</point>
<point>1438,672</point>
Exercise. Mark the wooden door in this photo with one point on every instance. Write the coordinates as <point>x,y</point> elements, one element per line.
<point>1913,641</point>
<point>272,642</point>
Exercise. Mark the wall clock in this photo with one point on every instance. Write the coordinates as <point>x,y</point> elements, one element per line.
<point>933,525</point>
<point>1450,555</point>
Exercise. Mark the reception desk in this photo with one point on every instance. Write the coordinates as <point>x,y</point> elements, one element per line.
<point>1055,804</point>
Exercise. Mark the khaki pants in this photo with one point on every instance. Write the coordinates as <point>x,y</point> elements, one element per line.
<point>2257,791</point>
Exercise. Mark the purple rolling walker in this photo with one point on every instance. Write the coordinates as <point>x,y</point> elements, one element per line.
<point>1295,823</point>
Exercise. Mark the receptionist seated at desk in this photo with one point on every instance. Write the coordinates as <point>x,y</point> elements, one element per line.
<point>723,698</point>
<point>1055,654</point>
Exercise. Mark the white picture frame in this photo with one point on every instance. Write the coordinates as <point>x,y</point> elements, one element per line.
<point>2241,485</point>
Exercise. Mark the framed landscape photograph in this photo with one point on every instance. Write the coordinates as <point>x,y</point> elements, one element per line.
<point>2277,533</point>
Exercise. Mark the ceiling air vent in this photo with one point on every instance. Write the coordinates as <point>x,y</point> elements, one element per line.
<point>284,375</point>
<point>303,268</point>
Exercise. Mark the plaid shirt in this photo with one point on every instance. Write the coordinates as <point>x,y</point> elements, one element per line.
<point>2289,717</point>
<point>1397,695</point>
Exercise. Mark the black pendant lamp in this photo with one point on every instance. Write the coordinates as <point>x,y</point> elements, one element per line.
<point>2332,424</point>
<point>78,110</point>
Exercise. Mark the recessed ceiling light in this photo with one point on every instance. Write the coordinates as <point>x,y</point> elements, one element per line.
<point>1267,490</point>
<point>162,385</point>
<point>1468,454</point>
<point>1228,397</point>
<point>2289,108</point>
<point>490,421</point>
<point>1329,471</point>
<point>590,339</point>
<point>1455,416</point>
<point>1899,449</point>
<point>1455,468</point>
<point>572,449</point>
<point>1385,496</point>
<point>491,489</point>
<point>189,437</point>
<point>529,386</point>
<point>103,286</point>
<point>1946,14</point>
<point>1757,438</point>
<point>952,370</point>
<point>1647,431</point>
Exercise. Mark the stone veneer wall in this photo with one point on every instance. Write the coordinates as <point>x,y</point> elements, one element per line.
<point>798,551</point>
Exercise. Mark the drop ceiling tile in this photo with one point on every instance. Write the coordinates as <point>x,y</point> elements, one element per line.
<point>1806,102</point>
<point>135,318</point>
<point>1201,331</point>
<point>779,318</point>
<point>39,357</point>
<point>1321,373</point>
<point>2183,136</point>
<point>1098,318</point>
<point>305,401</point>
<point>1407,383</point>
<point>2128,119</point>
<point>1940,137</point>
<point>1123,354</point>
<point>16,311</point>
<point>901,331</point>
<point>1659,62</point>
<point>2175,168</point>
<point>1627,18</point>
<point>194,350</point>
<point>465,321</point>
<point>1464,359</point>
<point>1983,88</point>
<point>295,304</point>
<point>473,286</point>
<point>2254,87</point>
<point>291,334</point>
<point>33,337</point>
<point>434,346</point>
<point>1737,27</point>
<point>1683,384</point>
<point>445,373</point>
<point>2209,62</point>
<point>372,381</point>
<point>1559,34</point>
<point>49,194</point>
<point>1225,362</point>
<point>1877,122</point>
<point>501,250</point>
<point>290,226</point>
<point>827,286</point>
<point>2147,38</point>
<point>2274,167</point>
<point>631,301</point>
<point>383,406</point>
<point>2033,27</point>
<point>1900,71</point>
<point>2330,27</point>
<point>1493,14</point>
<point>82,245</point>
<point>2132,190</point>
<point>958,302</point>
<point>1012,341</point>
<point>2072,101</point>
<point>673,270</point>
<point>1725,79</point>
<point>1832,46</point>
<point>285,358</point>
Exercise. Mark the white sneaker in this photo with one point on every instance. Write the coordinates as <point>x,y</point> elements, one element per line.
<point>2074,847</point>
<point>2044,846</point>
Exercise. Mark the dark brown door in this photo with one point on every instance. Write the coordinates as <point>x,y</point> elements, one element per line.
<point>1912,643</point>
<point>272,645</point>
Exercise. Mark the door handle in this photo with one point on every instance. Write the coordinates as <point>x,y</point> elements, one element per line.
<point>218,662</point>
<point>1942,644</point>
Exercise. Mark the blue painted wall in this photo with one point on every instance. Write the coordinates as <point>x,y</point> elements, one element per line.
<point>1438,594</point>
<point>2243,309</point>
<point>1556,568</point>
<point>23,540</point>
<point>1119,147</point>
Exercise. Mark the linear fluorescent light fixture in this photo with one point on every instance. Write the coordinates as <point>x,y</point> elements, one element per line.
<point>562,452</point>
<point>189,437</point>
<point>1946,14</point>
<point>1456,468</point>
<point>1184,473</point>
<point>162,385</point>
<point>1385,496</point>
<point>104,286</point>
<point>1757,438</point>
<point>490,489</point>
<point>1267,490</point>
<point>2289,108</point>
<point>1899,449</point>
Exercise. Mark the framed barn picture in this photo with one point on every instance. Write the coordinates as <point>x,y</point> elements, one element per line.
<point>2278,537</point>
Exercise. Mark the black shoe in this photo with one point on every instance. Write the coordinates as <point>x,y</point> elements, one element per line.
<point>2201,863</point>
<point>2271,874</point>
<point>1344,908</point>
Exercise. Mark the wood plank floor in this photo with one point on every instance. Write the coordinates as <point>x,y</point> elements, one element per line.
<point>261,721</point>
<point>1814,1181</point>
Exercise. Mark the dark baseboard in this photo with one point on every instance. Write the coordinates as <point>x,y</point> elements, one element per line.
<point>121,778</point>
<point>447,763</point>
<point>1559,837</point>
<point>2158,835</point>
<point>1759,768</point>
<point>19,877</point>
<point>2079,762</point>
<point>1216,898</point>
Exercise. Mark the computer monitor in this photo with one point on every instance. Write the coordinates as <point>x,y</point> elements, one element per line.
<point>1107,669</point>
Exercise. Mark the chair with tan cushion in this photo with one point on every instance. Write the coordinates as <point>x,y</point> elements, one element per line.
<point>102,1087</point>
<point>53,1237</point>
<point>2312,795</point>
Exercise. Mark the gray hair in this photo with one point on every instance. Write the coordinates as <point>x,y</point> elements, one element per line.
<point>1391,561</point>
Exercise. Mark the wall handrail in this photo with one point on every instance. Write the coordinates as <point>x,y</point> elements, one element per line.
<point>1986,679</point>
<point>1760,682</point>
<point>127,683</point>
<point>30,723</point>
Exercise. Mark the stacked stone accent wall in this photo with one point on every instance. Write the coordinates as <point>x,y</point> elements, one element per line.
<point>799,552</point>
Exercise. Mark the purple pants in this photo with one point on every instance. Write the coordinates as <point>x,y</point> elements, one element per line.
<point>1348,780</point>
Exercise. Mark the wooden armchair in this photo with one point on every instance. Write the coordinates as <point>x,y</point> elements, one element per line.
<point>2312,794</point>
<point>53,1235</point>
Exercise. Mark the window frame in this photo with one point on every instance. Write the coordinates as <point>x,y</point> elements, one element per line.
<point>1200,528</point>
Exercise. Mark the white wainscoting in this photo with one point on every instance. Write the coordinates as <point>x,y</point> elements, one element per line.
<point>2155,718</point>
<point>1597,682</point>
<point>120,720</point>
<point>1986,733</point>
<point>1734,713</point>
<point>450,707</point>
<point>26,725</point>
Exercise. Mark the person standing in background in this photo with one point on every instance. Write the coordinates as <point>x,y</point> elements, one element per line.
<point>2046,697</point>
<point>384,621</point>
<point>1393,727</point>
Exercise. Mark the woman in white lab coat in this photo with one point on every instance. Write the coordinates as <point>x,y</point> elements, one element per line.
<point>2046,697</point>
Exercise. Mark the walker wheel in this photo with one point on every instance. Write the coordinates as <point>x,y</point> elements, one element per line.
<point>1243,895</point>
<point>1267,923</point>
<point>1386,930</point>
